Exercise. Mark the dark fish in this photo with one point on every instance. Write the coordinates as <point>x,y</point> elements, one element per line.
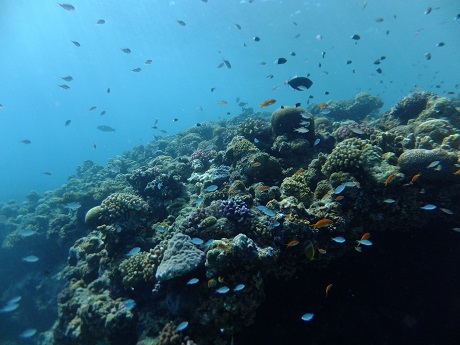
<point>457,17</point>
<point>356,37</point>
<point>47,173</point>
<point>103,112</point>
<point>181,22</point>
<point>379,19</point>
<point>238,26</point>
<point>270,76</point>
<point>440,44</point>
<point>319,64</point>
<point>256,38</point>
<point>65,87</point>
<point>175,119</point>
<point>379,70</point>
<point>67,122</point>
<point>108,90</point>
<point>26,141</point>
<point>300,83</point>
<point>294,23</point>
<point>227,64</point>
<point>67,7</point>
<point>242,104</point>
<point>281,61</point>
<point>94,146</point>
<point>387,32</point>
<point>263,63</point>
<point>428,56</point>
<point>105,128</point>
<point>297,105</point>
<point>292,53</point>
<point>326,92</point>
<point>136,70</point>
<point>126,50</point>
<point>92,108</point>
<point>148,62</point>
<point>100,21</point>
<point>349,62</point>
<point>311,96</point>
<point>213,89</point>
<point>76,43</point>
<point>297,36</point>
<point>198,124</point>
<point>220,65</point>
<point>67,78</point>
<point>428,11</point>
<point>323,54</point>
<point>1,106</point>
<point>383,57</point>
<point>377,62</point>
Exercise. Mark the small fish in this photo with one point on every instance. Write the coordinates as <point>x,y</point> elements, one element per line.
<point>302,130</point>
<point>67,123</point>
<point>67,7</point>
<point>379,19</point>
<point>65,87</point>
<point>339,197</point>
<point>267,102</point>
<point>446,210</point>
<point>181,22</point>
<point>256,164</point>
<point>28,333</point>
<point>108,90</point>
<point>193,281</point>
<point>364,242</point>
<point>415,178</point>
<point>148,62</point>
<point>457,17</point>
<point>292,243</point>
<point>261,188</point>
<point>389,179</point>
<point>322,105</point>
<point>457,172</point>
<point>358,249</point>
<point>325,111</point>
<point>256,141</point>
<point>256,38</point>
<point>428,11</point>
<point>27,232</point>
<point>26,141</point>
<point>389,201</point>
<point>183,325</point>
<point>266,210</point>
<point>317,141</point>
<point>105,128</point>
<point>47,173</point>
<point>358,131</point>
<point>67,78</point>
<point>197,241</point>
<point>126,50</point>
<point>103,112</point>
<point>227,64</point>
<point>222,102</point>
<point>212,282</point>
<point>349,62</point>
<point>428,207</point>
<point>239,287</point>
<point>281,61</point>
<point>307,317</point>
<point>328,288</point>
<point>433,164</point>
<point>379,70</point>
<point>309,251</point>
<point>9,307</point>
<point>100,22</point>
<point>300,83</point>
<point>159,229</point>
<point>72,205</point>
<point>223,290</point>
<point>456,229</point>
<point>129,304</point>
<point>30,258</point>
<point>322,251</point>
<point>299,171</point>
<point>322,223</point>
<point>238,26</point>
<point>159,185</point>
<point>440,44</point>
<point>133,251</point>
<point>338,239</point>
<point>76,43</point>
<point>356,37</point>
<point>438,168</point>
<point>136,70</point>
<point>92,108</point>
<point>211,188</point>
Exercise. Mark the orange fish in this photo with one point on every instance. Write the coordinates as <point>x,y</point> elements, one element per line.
<point>256,164</point>
<point>365,236</point>
<point>389,178</point>
<point>264,187</point>
<point>322,105</point>
<point>322,223</point>
<point>328,288</point>
<point>212,282</point>
<point>322,251</point>
<point>340,197</point>
<point>222,102</point>
<point>267,102</point>
<point>457,172</point>
<point>299,171</point>
<point>292,243</point>
<point>415,177</point>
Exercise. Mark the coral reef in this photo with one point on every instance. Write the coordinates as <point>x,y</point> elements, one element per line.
<point>286,120</point>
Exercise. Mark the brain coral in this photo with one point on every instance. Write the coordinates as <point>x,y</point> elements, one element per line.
<point>352,155</point>
<point>181,257</point>
<point>285,120</point>
<point>416,161</point>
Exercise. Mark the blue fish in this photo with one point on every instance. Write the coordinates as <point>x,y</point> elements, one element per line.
<point>193,281</point>
<point>160,229</point>
<point>338,239</point>
<point>365,242</point>
<point>307,317</point>
<point>316,142</point>
<point>199,200</point>
<point>339,189</point>
<point>28,333</point>
<point>266,210</point>
<point>183,325</point>
<point>429,207</point>
<point>133,251</point>
<point>129,304</point>
<point>211,188</point>
<point>223,290</point>
<point>197,241</point>
<point>239,287</point>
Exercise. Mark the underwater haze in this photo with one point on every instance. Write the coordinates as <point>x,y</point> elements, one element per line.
<point>186,42</point>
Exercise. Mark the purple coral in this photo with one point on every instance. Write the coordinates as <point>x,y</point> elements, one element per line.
<point>202,155</point>
<point>234,209</point>
<point>352,130</point>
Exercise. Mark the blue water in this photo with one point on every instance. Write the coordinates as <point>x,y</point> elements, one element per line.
<point>36,50</point>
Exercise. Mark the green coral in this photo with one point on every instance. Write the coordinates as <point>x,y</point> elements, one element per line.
<point>285,120</point>
<point>139,269</point>
<point>239,148</point>
<point>297,187</point>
